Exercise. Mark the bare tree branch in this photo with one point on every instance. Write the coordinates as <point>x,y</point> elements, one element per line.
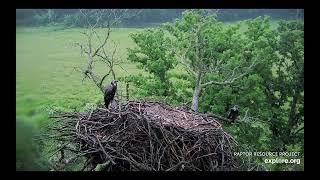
<point>114,52</point>
<point>232,78</point>
<point>92,20</point>
<point>104,78</point>
<point>182,56</point>
<point>122,68</point>
<point>102,45</point>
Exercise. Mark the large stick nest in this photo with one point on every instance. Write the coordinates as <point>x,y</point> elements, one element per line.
<point>148,136</point>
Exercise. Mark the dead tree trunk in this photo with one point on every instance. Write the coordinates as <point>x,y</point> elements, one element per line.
<point>96,47</point>
<point>196,93</point>
<point>96,81</point>
<point>127,91</point>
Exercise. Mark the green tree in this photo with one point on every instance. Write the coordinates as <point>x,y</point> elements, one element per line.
<point>248,92</point>
<point>49,17</point>
<point>285,90</point>
<point>154,55</point>
<point>272,96</point>
<point>211,52</point>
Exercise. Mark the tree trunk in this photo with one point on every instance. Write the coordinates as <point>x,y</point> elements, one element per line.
<point>196,93</point>
<point>92,75</point>
<point>292,118</point>
<point>127,91</point>
<point>113,73</point>
<point>96,80</point>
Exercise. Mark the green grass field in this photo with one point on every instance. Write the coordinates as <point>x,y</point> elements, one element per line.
<point>45,75</point>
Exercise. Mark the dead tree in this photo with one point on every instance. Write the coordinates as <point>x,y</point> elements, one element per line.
<point>96,47</point>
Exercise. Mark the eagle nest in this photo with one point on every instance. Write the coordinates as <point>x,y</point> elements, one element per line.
<point>144,136</point>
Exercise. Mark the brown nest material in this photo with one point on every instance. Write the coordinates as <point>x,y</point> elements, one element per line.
<point>146,136</point>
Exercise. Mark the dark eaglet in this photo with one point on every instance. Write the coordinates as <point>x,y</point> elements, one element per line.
<point>109,93</point>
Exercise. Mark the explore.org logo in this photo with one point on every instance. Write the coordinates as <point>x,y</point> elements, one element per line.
<point>272,157</point>
<point>282,161</point>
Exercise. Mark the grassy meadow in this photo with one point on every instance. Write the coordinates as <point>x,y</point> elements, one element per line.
<point>45,74</point>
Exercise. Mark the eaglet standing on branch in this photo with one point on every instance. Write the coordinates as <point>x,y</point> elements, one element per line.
<point>109,93</point>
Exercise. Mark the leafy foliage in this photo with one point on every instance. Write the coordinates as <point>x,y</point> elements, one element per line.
<point>286,91</point>
<point>271,96</point>
<point>154,56</point>
<point>46,18</point>
<point>28,148</point>
<point>212,53</point>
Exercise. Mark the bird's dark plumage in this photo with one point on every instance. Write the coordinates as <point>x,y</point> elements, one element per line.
<point>233,114</point>
<point>109,93</point>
